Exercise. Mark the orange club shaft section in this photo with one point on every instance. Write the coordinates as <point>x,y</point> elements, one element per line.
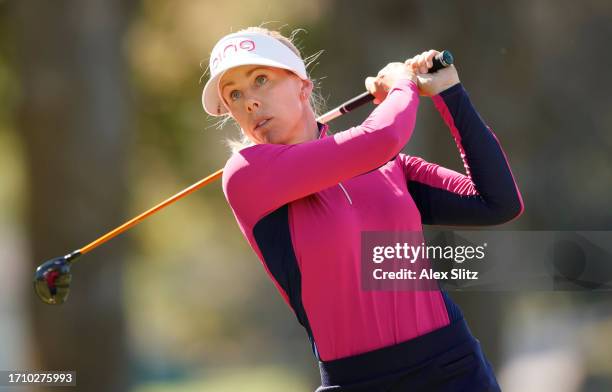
<point>134,221</point>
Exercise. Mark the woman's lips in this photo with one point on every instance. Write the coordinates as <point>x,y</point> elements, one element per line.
<point>262,123</point>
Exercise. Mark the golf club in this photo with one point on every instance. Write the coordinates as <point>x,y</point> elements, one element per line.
<point>52,278</point>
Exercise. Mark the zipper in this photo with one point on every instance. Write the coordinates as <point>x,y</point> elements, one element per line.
<point>345,193</point>
<point>348,197</point>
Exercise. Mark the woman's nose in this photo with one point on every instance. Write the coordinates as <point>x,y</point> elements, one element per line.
<point>252,105</point>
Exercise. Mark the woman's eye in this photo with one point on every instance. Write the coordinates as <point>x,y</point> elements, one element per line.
<point>234,95</point>
<point>261,80</point>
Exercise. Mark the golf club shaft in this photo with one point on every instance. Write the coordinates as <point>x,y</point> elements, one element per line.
<point>444,59</point>
<point>134,221</point>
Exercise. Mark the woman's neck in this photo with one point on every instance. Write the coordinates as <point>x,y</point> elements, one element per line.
<point>311,128</point>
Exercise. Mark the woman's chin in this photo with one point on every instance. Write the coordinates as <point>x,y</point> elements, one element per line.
<point>260,136</point>
<point>270,137</point>
<point>264,137</point>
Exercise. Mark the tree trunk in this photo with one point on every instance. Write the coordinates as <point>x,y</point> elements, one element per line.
<point>73,118</point>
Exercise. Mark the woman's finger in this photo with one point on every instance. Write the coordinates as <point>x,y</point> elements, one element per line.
<point>413,62</point>
<point>423,63</point>
<point>431,54</point>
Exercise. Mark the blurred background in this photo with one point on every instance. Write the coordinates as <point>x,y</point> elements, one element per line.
<point>100,119</point>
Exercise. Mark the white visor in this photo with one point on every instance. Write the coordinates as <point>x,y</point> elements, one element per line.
<point>245,48</point>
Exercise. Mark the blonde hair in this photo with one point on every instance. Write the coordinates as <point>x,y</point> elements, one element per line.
<point>317,101</point>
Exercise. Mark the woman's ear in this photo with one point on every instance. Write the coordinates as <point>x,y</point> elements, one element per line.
<point>306,89</point>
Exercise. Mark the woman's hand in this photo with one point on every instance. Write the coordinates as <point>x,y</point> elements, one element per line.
<point>380,85</point>
<point>434,83</point>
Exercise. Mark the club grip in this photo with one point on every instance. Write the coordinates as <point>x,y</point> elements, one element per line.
<point>442,60</point>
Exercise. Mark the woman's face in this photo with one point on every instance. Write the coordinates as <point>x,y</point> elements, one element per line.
<point>270,104</point>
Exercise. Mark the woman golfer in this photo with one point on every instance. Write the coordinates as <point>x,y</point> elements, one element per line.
<point>302,198</point>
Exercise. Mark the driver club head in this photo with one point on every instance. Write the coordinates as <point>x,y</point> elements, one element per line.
<point>52,279</point>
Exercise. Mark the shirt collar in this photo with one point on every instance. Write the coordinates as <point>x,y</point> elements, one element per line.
<point>323,128</point>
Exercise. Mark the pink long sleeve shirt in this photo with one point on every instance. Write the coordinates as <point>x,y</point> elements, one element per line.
<point>303,207</point>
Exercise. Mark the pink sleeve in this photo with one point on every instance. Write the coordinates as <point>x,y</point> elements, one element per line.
<point>259,179</point>
<point>419,170</point>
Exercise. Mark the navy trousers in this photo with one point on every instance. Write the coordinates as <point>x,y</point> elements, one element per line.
<point>445,360</point>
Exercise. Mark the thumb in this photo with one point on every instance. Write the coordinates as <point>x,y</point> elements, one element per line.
<point>425,78</point>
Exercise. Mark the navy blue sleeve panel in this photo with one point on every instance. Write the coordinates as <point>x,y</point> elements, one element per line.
<point>494,197</point>
<point>454,312</point>
<point>273,238</point>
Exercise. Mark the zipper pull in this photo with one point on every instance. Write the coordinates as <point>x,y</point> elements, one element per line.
<point>345,193</point>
